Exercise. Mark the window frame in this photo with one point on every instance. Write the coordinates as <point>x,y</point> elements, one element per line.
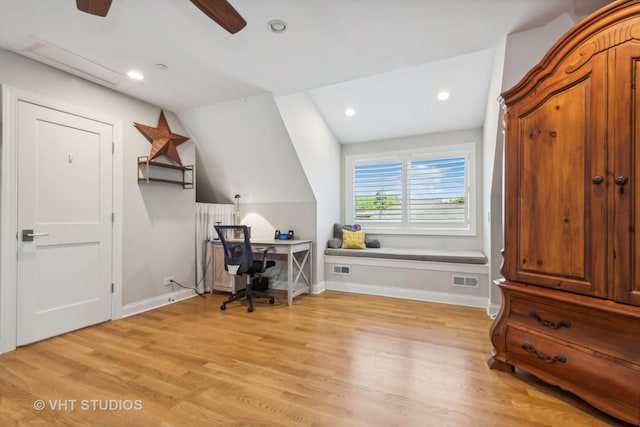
<point>465,228</point>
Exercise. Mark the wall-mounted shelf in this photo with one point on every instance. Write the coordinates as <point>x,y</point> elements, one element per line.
<point>145,167</point>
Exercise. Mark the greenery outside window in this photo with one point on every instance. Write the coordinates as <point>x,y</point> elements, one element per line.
<point>422,193</point>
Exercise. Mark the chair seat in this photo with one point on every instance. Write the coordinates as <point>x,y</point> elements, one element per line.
<point>256,266</point>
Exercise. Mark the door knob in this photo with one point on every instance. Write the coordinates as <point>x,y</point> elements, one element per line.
<point>621,180</point>
<point>597,179</point>
<point>28,235</point>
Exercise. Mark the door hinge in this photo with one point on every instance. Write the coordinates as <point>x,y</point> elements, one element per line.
<point>113,217</point>
<point>112,287</point>
<point>113,147</point>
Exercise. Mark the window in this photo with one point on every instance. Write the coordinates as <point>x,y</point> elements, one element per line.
<point>428,193</point>
<point>377,189</point>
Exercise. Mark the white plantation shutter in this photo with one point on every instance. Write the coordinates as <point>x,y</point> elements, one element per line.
<point>378,192</point>
<point>436,189</point>
<point>427,193</point>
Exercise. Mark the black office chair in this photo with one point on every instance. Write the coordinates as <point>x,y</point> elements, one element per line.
<point>238,261</point>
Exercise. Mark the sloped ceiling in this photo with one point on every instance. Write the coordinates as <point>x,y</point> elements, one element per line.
<point>386,59</point>
<point>327,42</point>
<point>245,149</point>
<point>403,102</point>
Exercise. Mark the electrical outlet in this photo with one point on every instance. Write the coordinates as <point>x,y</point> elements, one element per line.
<point>167,280</point>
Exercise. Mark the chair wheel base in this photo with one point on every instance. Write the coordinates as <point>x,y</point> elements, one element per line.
<point>249,294</point>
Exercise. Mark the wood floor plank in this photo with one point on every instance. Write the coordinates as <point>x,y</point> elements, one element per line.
<point>334,359</point>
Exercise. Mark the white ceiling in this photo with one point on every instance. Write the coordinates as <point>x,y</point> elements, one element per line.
<point>385,58</point>
<point>403,102</point>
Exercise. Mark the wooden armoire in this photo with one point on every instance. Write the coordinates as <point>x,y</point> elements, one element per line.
<point>571,290</point>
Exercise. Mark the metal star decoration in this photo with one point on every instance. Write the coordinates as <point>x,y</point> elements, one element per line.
<point>163,141</point>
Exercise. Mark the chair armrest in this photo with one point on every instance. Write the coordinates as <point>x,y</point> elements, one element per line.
<point>264,257</point>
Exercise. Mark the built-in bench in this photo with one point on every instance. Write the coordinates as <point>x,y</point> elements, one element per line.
<point>448,276</point>
<point>433,255</point>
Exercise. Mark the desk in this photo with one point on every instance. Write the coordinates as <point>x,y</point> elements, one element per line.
<point>298,253</point>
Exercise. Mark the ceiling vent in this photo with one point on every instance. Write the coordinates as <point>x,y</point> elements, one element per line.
<point>62,59</point>
<point>464,281</point>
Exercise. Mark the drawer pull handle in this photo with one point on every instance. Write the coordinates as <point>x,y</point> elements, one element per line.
<point>549,323</point>
<point>531,349</point>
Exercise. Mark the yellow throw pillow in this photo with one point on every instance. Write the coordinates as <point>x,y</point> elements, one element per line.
<point>353,239</point>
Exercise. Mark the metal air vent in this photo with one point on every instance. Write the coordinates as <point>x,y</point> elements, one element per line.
<point>342,269</point>
<point>464,281</point>
<point>62,59</point>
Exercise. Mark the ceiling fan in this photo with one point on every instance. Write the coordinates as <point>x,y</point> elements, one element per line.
<point>218,10</point>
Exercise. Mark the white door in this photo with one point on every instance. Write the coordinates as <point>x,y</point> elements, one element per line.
<point>65,202</point>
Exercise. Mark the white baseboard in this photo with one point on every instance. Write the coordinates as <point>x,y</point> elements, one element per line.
<point>156,302</point>
<point>413,294</point>
<point>318,288</point>
<point>281,285</point>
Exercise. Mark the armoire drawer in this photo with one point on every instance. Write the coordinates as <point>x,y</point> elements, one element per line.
<point>604,332</point>
<point>582,372</point>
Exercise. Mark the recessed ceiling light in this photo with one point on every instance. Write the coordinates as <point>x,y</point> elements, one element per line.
<point>277,26</point>
<point>350,112</point>
<point>443,96</point>
<point>135,75</point>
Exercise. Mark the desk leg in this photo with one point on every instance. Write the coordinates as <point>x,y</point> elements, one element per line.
<point>290,278</point>
<point>310,282</point>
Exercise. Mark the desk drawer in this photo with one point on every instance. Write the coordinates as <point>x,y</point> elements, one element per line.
<point>604,332</point>
<point>604,382</point>
<point>259,249</point>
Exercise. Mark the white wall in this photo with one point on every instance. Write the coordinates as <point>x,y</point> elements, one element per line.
<point>245,149</point>
<point>416,143</point>
<point>159,220</point>
<point>525,49</point>
<point>319,154</point>
<point>492,176</point>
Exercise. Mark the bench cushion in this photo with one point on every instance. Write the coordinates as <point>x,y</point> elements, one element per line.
<point>434,255</point>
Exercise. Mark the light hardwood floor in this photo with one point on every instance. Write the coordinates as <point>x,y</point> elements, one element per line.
<point>334,359</point>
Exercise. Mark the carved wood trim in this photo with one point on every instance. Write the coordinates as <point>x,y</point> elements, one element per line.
<point>614,37</point>
<point>572,47</point>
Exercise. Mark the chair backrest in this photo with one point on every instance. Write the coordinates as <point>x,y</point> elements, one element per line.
<point>238,256</point>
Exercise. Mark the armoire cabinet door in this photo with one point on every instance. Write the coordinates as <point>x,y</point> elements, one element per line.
<point>555,178</point>
<point>625,170</point>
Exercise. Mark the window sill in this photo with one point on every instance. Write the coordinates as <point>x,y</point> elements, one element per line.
<point>420,231</point>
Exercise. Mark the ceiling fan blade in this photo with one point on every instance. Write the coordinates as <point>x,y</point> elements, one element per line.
<point>221,12</point>
<point>94,7</point>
